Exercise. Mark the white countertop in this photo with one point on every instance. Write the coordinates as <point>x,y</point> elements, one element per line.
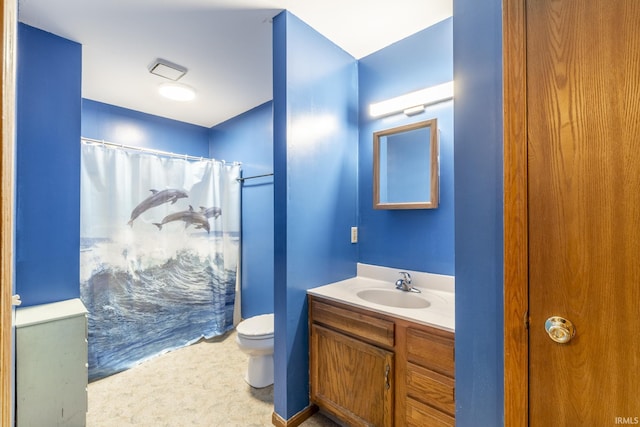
<point>437,289</point>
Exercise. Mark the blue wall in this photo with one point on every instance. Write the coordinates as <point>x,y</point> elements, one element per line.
<point>249,138</point>
<point>47,167</point>
<point>421,240</point>
<point>120,125</point>
<point>315,188</point>
<point>478,214</point>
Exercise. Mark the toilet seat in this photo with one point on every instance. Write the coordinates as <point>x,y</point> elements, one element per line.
<point>257,327</point>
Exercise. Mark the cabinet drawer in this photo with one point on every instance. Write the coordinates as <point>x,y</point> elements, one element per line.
<point>364,326</point>
<point>431,351</point>
<point>421,415</point>
<point>431,388</point>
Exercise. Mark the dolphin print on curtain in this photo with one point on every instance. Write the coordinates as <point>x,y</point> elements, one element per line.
<point>158,253</point>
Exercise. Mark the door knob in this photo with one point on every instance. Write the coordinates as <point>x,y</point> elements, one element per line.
<point>560,329</point>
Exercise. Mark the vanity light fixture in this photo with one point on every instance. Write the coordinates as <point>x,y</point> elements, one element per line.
<point>414,110</point>
<point>177,91</point>
<point>413,102</point>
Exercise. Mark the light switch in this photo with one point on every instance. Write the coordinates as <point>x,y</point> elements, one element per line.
<point>354,234</point>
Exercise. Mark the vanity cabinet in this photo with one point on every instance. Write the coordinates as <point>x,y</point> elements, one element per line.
<point>372,369</point>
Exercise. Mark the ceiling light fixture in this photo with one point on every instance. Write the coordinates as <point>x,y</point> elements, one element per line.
<point>413,102</point>
<point>168,70</point>
<point>177,91</point>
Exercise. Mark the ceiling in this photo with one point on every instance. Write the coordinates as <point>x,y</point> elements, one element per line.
<point>224,44</point>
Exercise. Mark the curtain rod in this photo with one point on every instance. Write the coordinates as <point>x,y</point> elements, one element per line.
<point>150,150</point>
<point>252,177</point>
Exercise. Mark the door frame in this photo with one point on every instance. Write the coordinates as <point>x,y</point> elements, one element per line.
<point>8,31</point>
<point>516,284</point>
<point>516,246</point>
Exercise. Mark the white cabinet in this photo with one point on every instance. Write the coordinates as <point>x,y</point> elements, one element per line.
<point>51,364</point>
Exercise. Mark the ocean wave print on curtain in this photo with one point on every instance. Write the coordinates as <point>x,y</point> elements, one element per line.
<point>158,253</point>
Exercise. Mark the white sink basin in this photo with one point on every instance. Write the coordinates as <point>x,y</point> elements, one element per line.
<point>394,298</point>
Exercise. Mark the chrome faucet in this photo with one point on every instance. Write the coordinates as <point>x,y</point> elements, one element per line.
<point>404,283</point>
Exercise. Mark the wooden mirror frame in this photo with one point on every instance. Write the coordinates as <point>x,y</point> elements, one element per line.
<point>432,202</point>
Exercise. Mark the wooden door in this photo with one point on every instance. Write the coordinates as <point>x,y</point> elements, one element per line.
<point>583,131</point>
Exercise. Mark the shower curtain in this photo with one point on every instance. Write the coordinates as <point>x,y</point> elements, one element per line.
<point>159,250</point>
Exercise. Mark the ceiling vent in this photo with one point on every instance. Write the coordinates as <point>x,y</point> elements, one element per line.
<point>166,69</point>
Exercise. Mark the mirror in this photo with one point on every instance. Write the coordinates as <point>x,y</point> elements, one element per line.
<point>405,166</point>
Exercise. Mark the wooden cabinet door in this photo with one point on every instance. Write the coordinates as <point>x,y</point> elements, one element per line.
<point>351,379</point>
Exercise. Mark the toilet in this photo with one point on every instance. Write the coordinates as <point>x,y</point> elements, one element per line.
<point>255,338</point>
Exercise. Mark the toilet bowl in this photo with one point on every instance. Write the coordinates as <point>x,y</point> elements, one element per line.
<point>255,338</point>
